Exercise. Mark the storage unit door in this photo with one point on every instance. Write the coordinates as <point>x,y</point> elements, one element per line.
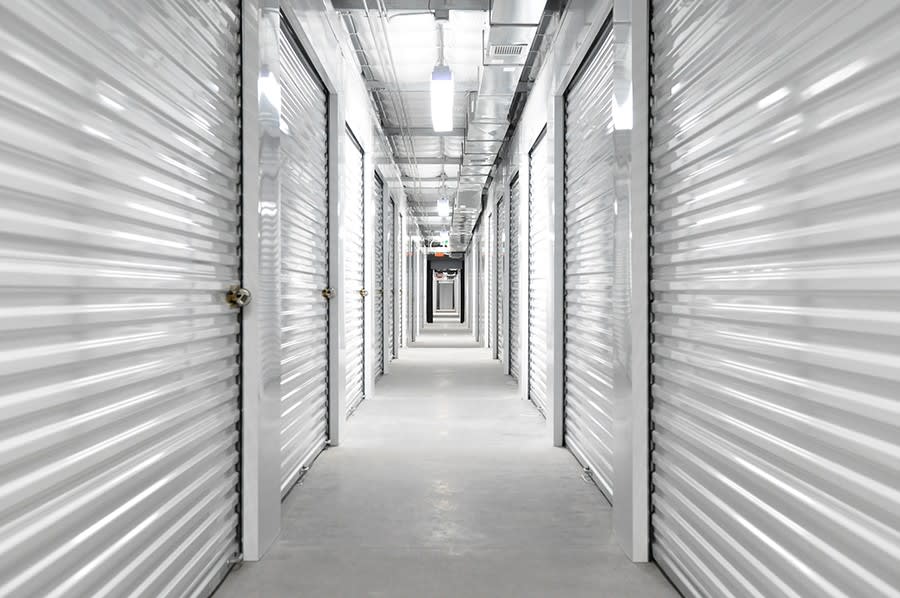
<point>352,180</point>
<point>538,274</point>
<point>304,262</point>
<point>776,297</point>
<point>589,265</point>
<point>513,298</point>
<point>119,219</point>
<point>492,285</point>
<point>500,298</point>
<point>378,337</point>
<point>390,293</point>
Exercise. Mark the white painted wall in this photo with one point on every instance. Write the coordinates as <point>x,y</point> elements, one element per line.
<point>578,28</point>
<point>327,43</point>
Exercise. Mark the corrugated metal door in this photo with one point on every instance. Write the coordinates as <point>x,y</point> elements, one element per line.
<point>589,265</point>
<point>514,205</point>
<point>776,287</point>
<point>304,262</point>
<point>378,337</point>
<point>538,273</point>
<point>390,292</point>
<point>353,221</point>
<point>402,264</point>
<point>119,218</point>
<point>492,284</point>
<point>500,298</point>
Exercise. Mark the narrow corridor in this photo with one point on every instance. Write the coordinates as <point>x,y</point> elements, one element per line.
<point>445,486</point>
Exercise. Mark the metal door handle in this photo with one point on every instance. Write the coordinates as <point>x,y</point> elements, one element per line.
<point>238,296</point>
<point>328,293</point>
<point>363,293</point>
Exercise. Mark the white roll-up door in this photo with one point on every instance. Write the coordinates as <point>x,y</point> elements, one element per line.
<point>492,284</point>
<point>380,239</point>
<point>589,265</point>
<point>538,273</point>
<point>353,181</point>
<point>119,355</point>
<point>776,297</point>
<point>403,260</point>
<point>500,298</point>
<point>513,299</point>
<point>390,293</point>
<point>304,262</point>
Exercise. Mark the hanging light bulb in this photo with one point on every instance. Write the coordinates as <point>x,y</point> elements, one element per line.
<point>442,99</point>
<point>443,207</point>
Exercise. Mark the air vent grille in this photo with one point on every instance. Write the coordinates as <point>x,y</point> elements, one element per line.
<point>508,49</point>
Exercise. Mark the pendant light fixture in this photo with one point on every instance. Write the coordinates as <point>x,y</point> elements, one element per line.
<point>442,88</point>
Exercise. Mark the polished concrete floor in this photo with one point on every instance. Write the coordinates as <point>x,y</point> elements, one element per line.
<point>446,486</point>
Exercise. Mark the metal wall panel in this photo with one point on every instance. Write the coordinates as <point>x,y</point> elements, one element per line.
<point>390,247</point>
<point>539,251</point>
<point>776,297</point>
<point>119,217</point>
<point>502,282</point>
<point>304,262</point>
<point>353,228</point>
<point>378,337</point>
<point>590,265</point>
<point>514,205</point>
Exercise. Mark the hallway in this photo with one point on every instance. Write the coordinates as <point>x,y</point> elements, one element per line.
<point>450,492</point>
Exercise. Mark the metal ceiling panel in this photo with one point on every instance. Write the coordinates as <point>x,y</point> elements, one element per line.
<point>517,12</point>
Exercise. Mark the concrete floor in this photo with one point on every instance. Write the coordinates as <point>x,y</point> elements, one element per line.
<point>446,486</point>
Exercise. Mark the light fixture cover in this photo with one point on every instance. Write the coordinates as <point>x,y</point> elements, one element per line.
<point>443,207</point>
<point>442,99</point>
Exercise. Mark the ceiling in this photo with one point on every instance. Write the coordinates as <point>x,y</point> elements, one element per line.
<point>486,45</point>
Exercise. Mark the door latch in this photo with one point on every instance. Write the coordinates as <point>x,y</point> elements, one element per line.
<point>328,293</point>
<point>363,293</point>
<point>238,296</point>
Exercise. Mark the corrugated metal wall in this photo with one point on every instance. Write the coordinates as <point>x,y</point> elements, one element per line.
<point>590,264</point>
<point>514,336</point>
<point>304,262</point>
<point>119,217</point>
<point>390,247</point>
<point>492,284</point>
<point>776,297</point>
<point>502,283</point>
<point>378,337</point>
<point>539,252</point>
<point>352,179</point>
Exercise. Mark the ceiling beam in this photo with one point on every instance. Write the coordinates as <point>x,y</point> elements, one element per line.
<point>424,132</point>
<point>449,160</point>
<point>426,179</point>
<point>416,4</point>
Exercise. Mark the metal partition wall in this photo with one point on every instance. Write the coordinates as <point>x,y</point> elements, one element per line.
<point>119,219</point>
<point>514,221</point>
<point>378,336</point>
<point>304,261</point>
<point>776,297</point>
<point>539,252</point>
<point>353,220</point>
<point>502,282</point>
<point>589,265</point>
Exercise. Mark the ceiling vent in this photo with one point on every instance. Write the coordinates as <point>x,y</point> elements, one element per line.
<point>507,50</point>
